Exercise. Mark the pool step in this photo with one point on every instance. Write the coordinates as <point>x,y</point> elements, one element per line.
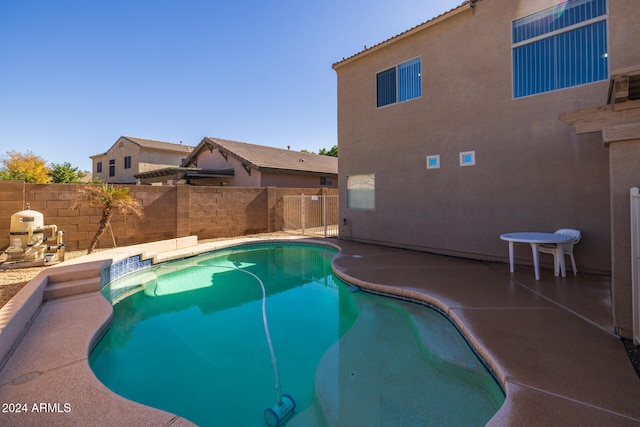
<point>64,282</point>
<point>73,287</point>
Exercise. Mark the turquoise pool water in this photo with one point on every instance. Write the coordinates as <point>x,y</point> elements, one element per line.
<point>188,337</point>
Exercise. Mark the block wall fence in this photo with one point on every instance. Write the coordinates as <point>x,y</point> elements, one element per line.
<point>169,212</point>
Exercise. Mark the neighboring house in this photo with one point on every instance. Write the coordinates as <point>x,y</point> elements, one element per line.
<point>450,133</point>
<point>218,161</point>
<point>130,156</point>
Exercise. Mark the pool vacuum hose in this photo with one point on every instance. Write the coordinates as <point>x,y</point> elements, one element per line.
<point>286,405</point>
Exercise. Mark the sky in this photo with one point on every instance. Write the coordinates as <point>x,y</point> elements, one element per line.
<point>75,75</point>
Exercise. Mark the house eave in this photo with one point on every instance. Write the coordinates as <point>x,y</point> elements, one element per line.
<point>185,172</point>
<point>297,172</point>
<point>467,5</point>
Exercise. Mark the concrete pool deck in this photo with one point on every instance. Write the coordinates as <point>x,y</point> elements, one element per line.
<point>550,342</point>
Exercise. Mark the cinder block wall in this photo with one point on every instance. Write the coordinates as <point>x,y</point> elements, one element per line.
<point>169,212</point>
<point>227,211</point>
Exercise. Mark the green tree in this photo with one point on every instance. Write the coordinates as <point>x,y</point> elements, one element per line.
<point>333,151</point>
<point>65,173</point>
<point>24,167</point>
<point>110,199</point>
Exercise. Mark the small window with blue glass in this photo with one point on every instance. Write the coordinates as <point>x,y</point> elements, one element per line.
<point>433,162</point>
<point>467,158</point>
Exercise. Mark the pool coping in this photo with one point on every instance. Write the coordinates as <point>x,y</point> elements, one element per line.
<point>45,343</point>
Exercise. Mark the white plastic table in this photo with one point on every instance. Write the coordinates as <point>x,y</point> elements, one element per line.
<point>535,239</point>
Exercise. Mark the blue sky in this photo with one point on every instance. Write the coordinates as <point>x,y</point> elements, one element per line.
<point>75,75</point>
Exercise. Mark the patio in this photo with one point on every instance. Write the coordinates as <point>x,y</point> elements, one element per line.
<point>550,342</point>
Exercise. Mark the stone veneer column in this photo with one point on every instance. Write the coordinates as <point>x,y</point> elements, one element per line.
<point>624,173</point>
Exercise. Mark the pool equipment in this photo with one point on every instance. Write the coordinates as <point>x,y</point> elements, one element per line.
<point>285,405</point>
<point>28,244</point>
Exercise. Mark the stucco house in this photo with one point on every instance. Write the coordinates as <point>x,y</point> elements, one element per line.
<point>467,126</point>
<point>130,156</point>
<point>216,161</point>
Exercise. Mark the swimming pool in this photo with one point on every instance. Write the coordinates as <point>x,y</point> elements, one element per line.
<point>189,337</point>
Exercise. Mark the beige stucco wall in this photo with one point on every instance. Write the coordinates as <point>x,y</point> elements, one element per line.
<point>142,160</point>
<point>290,180</point>
<point>532,172</point>
<point>624,33</point>
<point>119,151</point>
<point>97,159</point>
<point>214,160</point>
<point>211,160</point>
<point>624,157</point>
<point>152,159</point>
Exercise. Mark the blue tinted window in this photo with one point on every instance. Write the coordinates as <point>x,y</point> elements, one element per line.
<point>409,84</point>
<point>399,83</point>
<point>563,15</point>
<point>386,87</point>
<point>553,51</point>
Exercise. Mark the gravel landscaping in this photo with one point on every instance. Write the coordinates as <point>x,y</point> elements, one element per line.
<point>13,279</point>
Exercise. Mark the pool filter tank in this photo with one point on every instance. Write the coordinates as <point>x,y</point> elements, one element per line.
<point>27,240</point>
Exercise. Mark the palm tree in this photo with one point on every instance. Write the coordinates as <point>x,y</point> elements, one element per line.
<point>110,199</point>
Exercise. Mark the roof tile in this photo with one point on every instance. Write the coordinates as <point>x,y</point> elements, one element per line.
<point>160,145</point>
<point>263,157</point>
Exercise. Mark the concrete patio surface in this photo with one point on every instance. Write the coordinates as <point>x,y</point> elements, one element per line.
<point>550,342</point>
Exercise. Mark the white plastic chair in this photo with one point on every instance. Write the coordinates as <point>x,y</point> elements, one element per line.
<point>562,249</point>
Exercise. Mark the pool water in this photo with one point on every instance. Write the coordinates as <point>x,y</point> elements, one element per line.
<point>188,337</point>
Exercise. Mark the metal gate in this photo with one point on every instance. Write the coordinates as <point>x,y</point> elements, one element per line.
<point>311,215</point>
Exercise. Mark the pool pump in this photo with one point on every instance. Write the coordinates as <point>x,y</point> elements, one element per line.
<point>28,244</point>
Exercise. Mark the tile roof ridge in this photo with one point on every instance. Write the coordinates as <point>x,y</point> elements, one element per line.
<point>146,141</point>
<point>267,147</point>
